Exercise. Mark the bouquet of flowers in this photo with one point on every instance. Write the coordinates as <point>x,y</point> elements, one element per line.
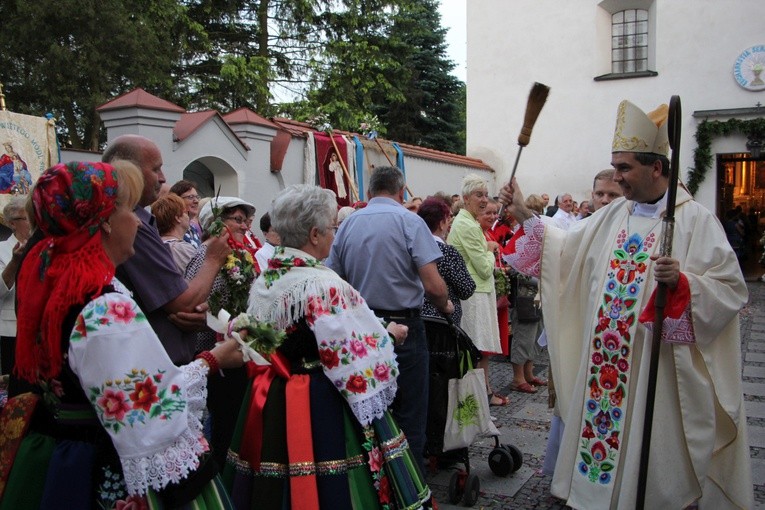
<point>501,282</point>
<point>237,273</point>
<point>262,337</point>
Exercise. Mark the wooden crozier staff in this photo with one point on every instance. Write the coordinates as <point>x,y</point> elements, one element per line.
<point>665,250</point>
<point>534,104</point>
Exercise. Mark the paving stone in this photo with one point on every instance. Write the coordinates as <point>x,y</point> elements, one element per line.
<point>754,389</point>
<point>755,357</point>
<point>755,410</point>
<point>758,470</point>
<point>534,411</point>
<point>756,346</point>
<point>758,372</point>
<point>757,438</point>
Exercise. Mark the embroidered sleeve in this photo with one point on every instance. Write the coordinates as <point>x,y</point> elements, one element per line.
<point>356,353</point>
<point>150,408</point>
<point>524,251</point>
<point>677,326</point>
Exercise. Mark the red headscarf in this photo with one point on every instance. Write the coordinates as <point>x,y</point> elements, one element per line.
<point>68,265</point>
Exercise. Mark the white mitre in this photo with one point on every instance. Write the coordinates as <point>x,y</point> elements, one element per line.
<point>637,132</point>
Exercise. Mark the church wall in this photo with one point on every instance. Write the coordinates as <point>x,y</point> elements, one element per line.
<point>510,45</point>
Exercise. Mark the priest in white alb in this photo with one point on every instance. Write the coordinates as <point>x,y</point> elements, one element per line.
<point>597,283</point>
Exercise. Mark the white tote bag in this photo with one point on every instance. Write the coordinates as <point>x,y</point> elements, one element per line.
<point>467,415</point>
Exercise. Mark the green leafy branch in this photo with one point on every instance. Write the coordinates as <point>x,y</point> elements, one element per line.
<point>706,132</point>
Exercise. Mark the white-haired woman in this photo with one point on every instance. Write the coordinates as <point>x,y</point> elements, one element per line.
<point>479,312</point>
<point>315,427</point>
<point>11,250</point>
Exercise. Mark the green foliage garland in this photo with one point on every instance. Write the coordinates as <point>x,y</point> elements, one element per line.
<point>707,130</point>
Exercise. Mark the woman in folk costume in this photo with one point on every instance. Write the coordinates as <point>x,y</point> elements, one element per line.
<point>314,431</point>
<point>117,425</point>
<point>597,282</point>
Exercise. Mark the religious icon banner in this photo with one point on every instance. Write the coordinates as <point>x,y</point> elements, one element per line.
<point>27,147</point>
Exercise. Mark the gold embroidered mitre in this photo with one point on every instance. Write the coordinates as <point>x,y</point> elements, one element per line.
<point>637,132</point>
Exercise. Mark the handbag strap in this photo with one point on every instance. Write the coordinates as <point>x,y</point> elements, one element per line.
<point>465,359</point>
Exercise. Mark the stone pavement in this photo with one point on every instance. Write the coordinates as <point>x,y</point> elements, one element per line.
<point>526,421</point>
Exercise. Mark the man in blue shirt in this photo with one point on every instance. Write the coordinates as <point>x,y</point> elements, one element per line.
<point>389,255</point>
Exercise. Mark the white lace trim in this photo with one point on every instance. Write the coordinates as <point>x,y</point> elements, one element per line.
<point>174,463</point>
<point>527,256</point>
<point>374,406</point>
<point>676,331</point>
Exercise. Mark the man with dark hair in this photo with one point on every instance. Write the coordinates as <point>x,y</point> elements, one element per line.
<point>390,256</point>
<point>599,282</point>
<point>175,309</point>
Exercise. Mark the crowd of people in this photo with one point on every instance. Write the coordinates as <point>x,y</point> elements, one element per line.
<point>126,395</point>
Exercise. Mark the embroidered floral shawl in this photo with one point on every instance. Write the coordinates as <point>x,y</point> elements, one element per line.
<point>355,349</point>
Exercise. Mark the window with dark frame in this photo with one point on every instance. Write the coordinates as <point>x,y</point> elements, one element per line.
<point>629,41</point>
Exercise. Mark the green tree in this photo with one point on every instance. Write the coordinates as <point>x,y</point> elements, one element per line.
<point>69,56</point>
<point>432,113</point>
<point>352,68</point>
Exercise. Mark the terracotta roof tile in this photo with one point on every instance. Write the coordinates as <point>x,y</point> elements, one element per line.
<point>139,98</point>
<point>247,116</point>
<point>190,122</point>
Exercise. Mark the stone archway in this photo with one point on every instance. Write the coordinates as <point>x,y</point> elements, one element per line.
<point>211,174</point>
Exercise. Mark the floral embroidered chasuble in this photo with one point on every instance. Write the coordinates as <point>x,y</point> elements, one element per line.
<point>595,283</point>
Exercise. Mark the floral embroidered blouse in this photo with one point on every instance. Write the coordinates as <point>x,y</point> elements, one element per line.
<point>150,408</point>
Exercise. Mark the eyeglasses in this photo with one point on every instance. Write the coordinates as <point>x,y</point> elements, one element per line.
<point>480,194</point>
<point>238,219</point>
<point>190,197</point>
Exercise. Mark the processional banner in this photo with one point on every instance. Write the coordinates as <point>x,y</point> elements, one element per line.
<point>27,148</point>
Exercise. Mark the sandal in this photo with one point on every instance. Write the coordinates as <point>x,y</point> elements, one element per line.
<point>523,388</point>
<point>503,401</point>
<point>536,381</point>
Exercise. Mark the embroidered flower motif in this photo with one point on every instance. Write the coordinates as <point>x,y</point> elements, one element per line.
<point>603,422</point>
<point>595,392</point>
<point>610,340</point>
<point>615,398</point>
<point>598,451</point>
<point>384,492</point>
<point>597,358</point>
<point>587,432</point>
<point>382,372</point>
<point>609,377</point>
<point>121,311</point>
<point>371,340</point>
<point>144,395</point>
<point>358,348</point>
<point>375,459</point>
<point>623,365</point>
<point>144,399</point>
<point>329,358</point>
<point>356,384</point>
<point>613,440</point>
<point>615,310</point>
<point>132,503</point>
<point>113,404</point>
